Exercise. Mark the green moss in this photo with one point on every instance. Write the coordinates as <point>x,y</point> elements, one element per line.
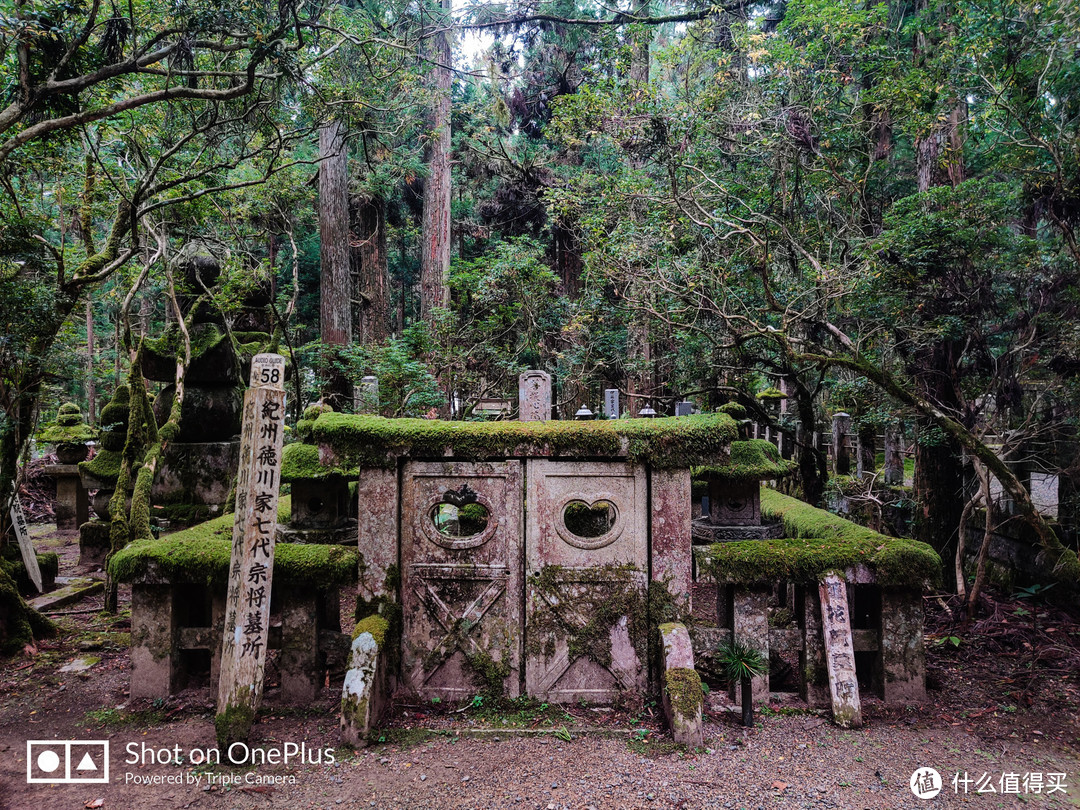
<point>202,554</point>
<point>114,416</point>
<point>12,564</point>
<point>602,596</point>
<point>733,409</point>
<point>55,433</point>
<point>233,725</point>
<point>751,460</point>
<point>376,625</point>
<point>104,466</point>
<point>771,393</point>
<point>170,345</point>
<point>683,688</point>
<point>819,542</point>
<point>300,462</point>
<point>372,441</point>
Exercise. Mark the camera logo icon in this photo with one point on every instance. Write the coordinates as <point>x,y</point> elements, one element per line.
<point>67,761</point>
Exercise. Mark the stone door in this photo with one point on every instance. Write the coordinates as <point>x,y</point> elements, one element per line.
<point>461,526</point>
<point>586,574</point>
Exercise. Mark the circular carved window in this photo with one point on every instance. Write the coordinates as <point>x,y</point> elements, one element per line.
<point>458,519</point>
<point>588,524</point>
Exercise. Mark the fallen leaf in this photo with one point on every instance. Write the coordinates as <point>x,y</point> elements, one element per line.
<point>94,804</point>
<point>780,786</point>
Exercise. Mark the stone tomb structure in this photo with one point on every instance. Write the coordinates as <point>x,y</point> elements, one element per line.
<point>522,554</point>
<point>69,434</point>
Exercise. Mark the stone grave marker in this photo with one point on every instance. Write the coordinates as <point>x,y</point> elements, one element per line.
<point>841,456</point>
<point>367,395</point>
<point>247,606</point>
<point>839,652</point>
<point>26,548</point>
<point>611,403</point>
<point>684,408</point>
<point>534,396</point>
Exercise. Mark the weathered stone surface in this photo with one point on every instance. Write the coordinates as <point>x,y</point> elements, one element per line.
<point>839,652</point>
<point>814,673</point>
<point>301,669</point>
<point>570,575</point>
<point>682,696</point>
<point>358,691</point>
<point>750,626</point>
<point>197,473</point>
<point>93,543</point>
<point>705,532</point>
<point>534,396</point>
<point>321,504</point>
<point>211,413</point>
<point>901,648</point>
<point>461,592</point>
<point>154,647</point>
<point>894,457</point>
<point>734,503</point>
<point>611,403</point>
<point>377,532</point>
<point>671,533</point>
<point>72,500</point>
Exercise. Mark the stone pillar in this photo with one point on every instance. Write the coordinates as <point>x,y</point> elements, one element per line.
<point>901,651</point>
<point>72,502</point>
<point>155,655</point>
<point>894,458</point>
<point>681,695</point>
<point>813,671</point>
<point>377,540</point>
<point>367,395</point>
<point>841,458</point>
<point>684,408</point>
<point>534,396</point>
<point>750,625</point>
<point>611,403</point>
<point>671,540</point>
<point>301,672</point>
<point>866,453</point>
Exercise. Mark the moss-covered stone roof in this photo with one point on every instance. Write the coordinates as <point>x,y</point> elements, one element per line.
<point>751,460</point>
<point>104,467</point>
<point>55,433</point>
<point>372,441</point>
<point>818,542</point>
<point>202,554</point>
<point>300,462</point>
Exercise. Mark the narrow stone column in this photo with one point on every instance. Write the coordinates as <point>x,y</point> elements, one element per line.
<point>681,695</point>
<point>671,540</point>
<point>813,671</point>
<point>894,458</point>
<point>866,453</point>
<point>154,655</point>
<point>377,539</point>
<point>901,647</point>
<point>841,456</point>
<point>750,625</point>
<point>301,673</point>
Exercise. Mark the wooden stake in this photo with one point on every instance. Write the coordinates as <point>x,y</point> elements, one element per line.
<point>840,652</point>
<point>247,606</point>
<point>26,548</point>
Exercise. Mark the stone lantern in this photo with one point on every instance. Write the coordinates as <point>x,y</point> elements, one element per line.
<point>70,435</point>
<point>100,473</point>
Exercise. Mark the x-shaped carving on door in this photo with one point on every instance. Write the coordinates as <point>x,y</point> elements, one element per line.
<point>571,618</point>
<point>458,627</point>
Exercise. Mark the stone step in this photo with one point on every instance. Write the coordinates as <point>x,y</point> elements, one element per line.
<point>73,589</point>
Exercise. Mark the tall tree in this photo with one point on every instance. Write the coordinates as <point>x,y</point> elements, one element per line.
<point>435,235</point>
<point>335,286</point>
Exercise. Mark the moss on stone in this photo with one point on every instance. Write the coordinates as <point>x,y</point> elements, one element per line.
<point>751,460</point>
<point>372,441</point>
<point>376,625</point>
<point>300,462</point>
<point>12,564</point>
<point>104,466</point>
<point>202,554</point>
<point>771,393</point>
<point>233,725</point>
<point>683,688</point>
<point>819,542</point>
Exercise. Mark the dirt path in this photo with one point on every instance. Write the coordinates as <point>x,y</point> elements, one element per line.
<point>1000,705</point>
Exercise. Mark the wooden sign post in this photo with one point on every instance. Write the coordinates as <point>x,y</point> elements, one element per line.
<point>22,534</point>
<point>839,652</point>
<point>247,606</point>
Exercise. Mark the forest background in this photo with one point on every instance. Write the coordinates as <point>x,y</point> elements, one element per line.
<point>873,203</point>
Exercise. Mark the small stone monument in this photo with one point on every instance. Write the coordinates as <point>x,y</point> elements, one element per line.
<point>841,453</point>
<point>684,408</point>
<point>534,396</point>
<point>367,395</point>
<point>100,473</point>
<point>70,435</point>
<point>611,403</point>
